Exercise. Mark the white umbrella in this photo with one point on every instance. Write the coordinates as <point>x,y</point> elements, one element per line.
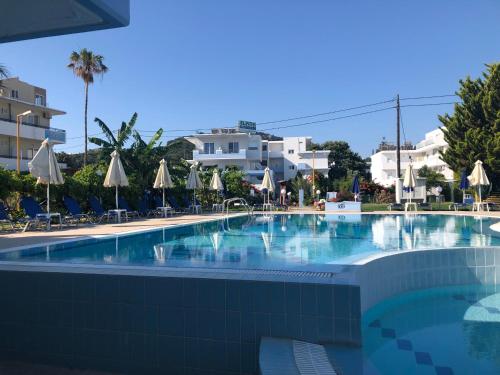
<point>409,182</point>
<point>267,182</point>
<point>163,179</point>
<point>478,177</point>
<point>215,182</point>
<point>116,174</point>
<point>44,166</point>
<point>193,181</point>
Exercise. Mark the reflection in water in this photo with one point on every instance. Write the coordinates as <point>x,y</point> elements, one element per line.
<point>274,241</point>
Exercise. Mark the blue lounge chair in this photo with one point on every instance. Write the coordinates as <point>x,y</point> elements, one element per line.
<point>4,216</point>
<point>35,214</point>
<point>123,204</point>
<point>145,207</point>
<point>98,210</point>
<point>173,203</point>
<point>75,211</point>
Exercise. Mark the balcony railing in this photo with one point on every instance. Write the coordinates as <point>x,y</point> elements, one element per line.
<point>32,131</point>
<point>220,154</point>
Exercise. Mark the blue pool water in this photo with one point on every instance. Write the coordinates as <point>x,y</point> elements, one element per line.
<point>443,331</point>
<point>275,242</point>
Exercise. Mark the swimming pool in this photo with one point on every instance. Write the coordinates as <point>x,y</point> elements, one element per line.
<point>272,241</point>
<point>443,331</point>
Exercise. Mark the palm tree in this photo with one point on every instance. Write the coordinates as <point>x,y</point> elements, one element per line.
<point>85,64</point>
<point>4,73</point>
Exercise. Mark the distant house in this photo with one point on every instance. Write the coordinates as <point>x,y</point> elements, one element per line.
<point>17,97</point>
<point>426,152</point>
<point>242,147</point>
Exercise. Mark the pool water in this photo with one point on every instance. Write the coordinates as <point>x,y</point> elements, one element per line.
<point>279,241</point>
<point>443,331</point>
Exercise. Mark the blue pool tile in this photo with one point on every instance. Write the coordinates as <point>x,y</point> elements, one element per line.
<point>54,286</point>
<point>211,324</point>
<point>151,315</point>
<point>248,327</point>
<point>233,325</point>
<point>459,297</point>
<point>233,357</point>
<point>423,358</point>
<point>308,299</point>
<point>246,289</point>
<point>388,333</point>
<point>108,316</point>
<point>278,325</point>
<point>341,301</point>
<point>341,330</point>
<point>492,310</point>
<point>325,300</point>
<point>404,344</point>
<point>293,325</point>
<point>190,292</point>
<point>442,370</point>
<point>325,329</point>
<point>262,325</point>
<point>292,298</point>
<point>171,321</point>
<point>107,288</point>
<point>166,291</point>
<point>132,290</point>
<point>132,317</point>
<point>84,314</point>
<point>375,324</point>
<point>276,297</point>
<point>233,295</point>
<point>212,294</point>
<point>171,352</point>
<point>83,288</point>
<point>309,328</point>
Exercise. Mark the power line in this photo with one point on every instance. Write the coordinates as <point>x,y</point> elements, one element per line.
<point>326,113</point>
<point>429,104</point>
<point>429,97</point>
<point>330,119</point>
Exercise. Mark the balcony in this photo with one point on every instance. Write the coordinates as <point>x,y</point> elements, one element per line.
<point>220,155</point>
<point>31,131</point>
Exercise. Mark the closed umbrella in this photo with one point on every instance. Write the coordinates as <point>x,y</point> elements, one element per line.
<point>163,179</point>
<point>116,174</point>
<point>216,182</point>
<point>44,166</point>
<point>464,184</point>
<point>478,177</point>
<point>355,188</point>
<point>409,182</point>
<point>194,181</point>
<point>267,182</point>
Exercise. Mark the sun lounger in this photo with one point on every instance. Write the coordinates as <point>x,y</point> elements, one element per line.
<point>425,206</point>
<point>36,216</point>
<point>4,217</point>
<point>123,204</point>
<point>75,211</point>
<point>395,206</point>
<point>98,210</point>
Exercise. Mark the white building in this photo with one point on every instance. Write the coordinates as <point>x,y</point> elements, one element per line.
<point>426,152</point>
<point>17,97</point>
<point>242,147</point>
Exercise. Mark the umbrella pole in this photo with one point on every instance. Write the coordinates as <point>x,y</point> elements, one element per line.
<point>48,198</point>
<point>116,196</point>
<point>163,196</point>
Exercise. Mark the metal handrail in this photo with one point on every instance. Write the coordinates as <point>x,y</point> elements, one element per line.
<point>227,202</point>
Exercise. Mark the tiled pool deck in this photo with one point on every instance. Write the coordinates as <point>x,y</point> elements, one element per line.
<point>150,319</point>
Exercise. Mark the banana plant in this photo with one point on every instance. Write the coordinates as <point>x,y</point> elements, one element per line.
<point>144,158</point>
<point>111,143</point>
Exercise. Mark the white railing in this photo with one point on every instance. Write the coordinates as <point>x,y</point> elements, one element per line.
<point>219,154</point>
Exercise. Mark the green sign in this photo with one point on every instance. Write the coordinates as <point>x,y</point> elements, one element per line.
<point>247,125</point>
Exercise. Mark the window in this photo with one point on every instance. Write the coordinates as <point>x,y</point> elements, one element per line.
<point>291,167</point>
<point>264,147</point>
<point>14,94</point>
<point>234,147</point>
<point>208,148</point>
<point>39,100</point>
<point>290,152</point>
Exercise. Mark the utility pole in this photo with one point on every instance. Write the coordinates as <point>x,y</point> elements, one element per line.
<point>398,140</point>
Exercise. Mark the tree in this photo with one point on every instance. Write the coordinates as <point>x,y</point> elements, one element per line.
<point>4,73</point>
<point>433,178</point>
<point>85,64</point>
<point>473,130</point>
<point>144,161</point>
<point>342,160</point>
<point>111,142</point>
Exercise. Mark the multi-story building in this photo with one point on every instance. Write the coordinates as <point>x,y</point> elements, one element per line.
<point>426,152</point>
<point>242,147</point>
<point>17,97</point>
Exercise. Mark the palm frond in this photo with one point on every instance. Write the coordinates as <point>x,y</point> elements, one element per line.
<point>100,142</point>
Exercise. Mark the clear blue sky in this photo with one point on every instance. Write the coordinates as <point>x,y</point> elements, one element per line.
<point>199,64</point>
